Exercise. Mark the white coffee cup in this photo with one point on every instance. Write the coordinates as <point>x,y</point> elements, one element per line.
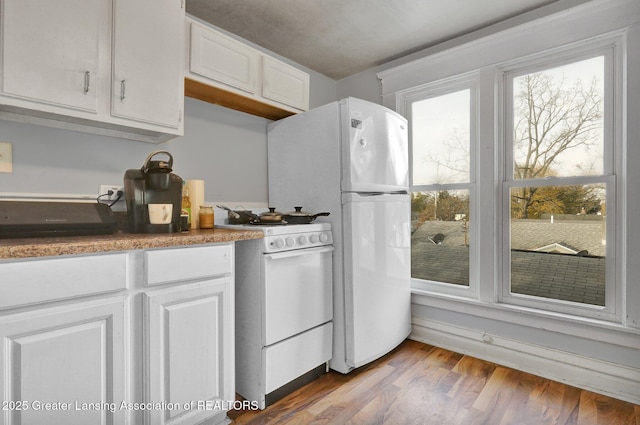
<point>160,213</point>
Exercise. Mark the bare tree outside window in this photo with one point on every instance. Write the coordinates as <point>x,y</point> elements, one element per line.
<point>557,127</point>
<point>557,232</point>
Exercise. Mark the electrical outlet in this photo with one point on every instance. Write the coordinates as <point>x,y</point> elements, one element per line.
<point>105,189</point>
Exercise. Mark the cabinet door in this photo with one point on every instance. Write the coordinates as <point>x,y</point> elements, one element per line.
<point>189,351</point>
<point>148,70</point>
<point>70,356</point>
<point>284,83</point>
<point>223,59</point>
<point>50,51</point>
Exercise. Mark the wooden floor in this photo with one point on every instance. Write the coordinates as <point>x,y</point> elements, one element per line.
<point>421,384</point>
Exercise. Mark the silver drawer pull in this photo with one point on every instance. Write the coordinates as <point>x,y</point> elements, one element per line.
<point>123,89</point>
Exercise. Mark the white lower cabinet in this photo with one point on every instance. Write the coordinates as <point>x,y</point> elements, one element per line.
<point>64,364</point>
<point>112,339</point>
<point>188,346</point>
<point>189,351</point>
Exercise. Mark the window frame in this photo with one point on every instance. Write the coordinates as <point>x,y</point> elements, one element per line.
<point>484,51</point>
<point>471,82</point>
<point>610,48</point>
<point>488,188</point>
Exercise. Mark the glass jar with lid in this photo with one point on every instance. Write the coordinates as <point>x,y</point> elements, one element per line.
<point>205,217</point>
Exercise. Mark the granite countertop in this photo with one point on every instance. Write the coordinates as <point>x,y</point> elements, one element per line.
<point>121,241</point>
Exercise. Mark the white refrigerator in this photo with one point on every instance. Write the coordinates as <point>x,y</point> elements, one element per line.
<point>350,158</point>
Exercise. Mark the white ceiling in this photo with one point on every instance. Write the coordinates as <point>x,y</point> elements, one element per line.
<point>339,38</point>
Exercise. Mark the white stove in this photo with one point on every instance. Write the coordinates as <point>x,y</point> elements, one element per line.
<point>288,237</point>
<point>284,309</point>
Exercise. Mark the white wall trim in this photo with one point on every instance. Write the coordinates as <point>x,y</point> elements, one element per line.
<point>595,375</point>
<point>582,327</point>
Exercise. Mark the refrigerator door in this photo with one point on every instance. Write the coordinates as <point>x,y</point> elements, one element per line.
<point>376,275</point>
<point>374,148</point>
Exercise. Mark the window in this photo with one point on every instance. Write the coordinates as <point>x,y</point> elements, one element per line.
<point>514,182</point>
<point>598,180</point>
<point>558,181</point>
<point>442,119</point>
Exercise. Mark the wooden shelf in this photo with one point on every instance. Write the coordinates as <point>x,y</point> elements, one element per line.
<point>206,93</point>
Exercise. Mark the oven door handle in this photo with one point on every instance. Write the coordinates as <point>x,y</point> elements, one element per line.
<point>298,252</point>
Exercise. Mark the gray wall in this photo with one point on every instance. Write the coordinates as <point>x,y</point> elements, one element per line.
<point>48,160</point>
<point>219,145</point>
<point>223,147</point>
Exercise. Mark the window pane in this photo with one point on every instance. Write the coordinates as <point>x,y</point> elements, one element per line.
<point>440,131</point>
<point>440,236</point>
<point>558,246</point>
<point>557,121</point>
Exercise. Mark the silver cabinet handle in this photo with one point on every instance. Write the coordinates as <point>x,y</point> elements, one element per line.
<point>87,81</point>
<point>123,89</point>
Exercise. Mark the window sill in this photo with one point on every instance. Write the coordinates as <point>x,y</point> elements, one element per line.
<point>599,330</point>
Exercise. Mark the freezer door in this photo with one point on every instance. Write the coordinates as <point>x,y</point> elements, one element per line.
<point>376,275</point>
<point>374,148</point>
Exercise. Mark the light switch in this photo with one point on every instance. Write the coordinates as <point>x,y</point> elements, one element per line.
<point>6,159</point>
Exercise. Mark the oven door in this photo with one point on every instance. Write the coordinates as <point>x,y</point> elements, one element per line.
<point>297,290</point>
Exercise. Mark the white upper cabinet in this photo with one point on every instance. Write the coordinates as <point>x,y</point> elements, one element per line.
<point>221,69</point>
<point>223,59</point>
<point>284,83</point>
<point>148,83</point>
<point>43,59</point>
<point>111,67</point>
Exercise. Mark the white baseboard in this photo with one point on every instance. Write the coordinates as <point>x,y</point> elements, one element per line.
<point>595,375</point>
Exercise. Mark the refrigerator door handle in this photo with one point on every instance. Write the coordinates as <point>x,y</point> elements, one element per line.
<point>396,192</point>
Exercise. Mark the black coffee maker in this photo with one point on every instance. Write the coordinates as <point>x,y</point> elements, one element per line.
<point>152,187</point>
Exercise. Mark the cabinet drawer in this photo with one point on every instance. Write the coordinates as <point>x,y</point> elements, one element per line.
<point>41,280</point>
<point>180,264</point>
<point>285,361</point>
